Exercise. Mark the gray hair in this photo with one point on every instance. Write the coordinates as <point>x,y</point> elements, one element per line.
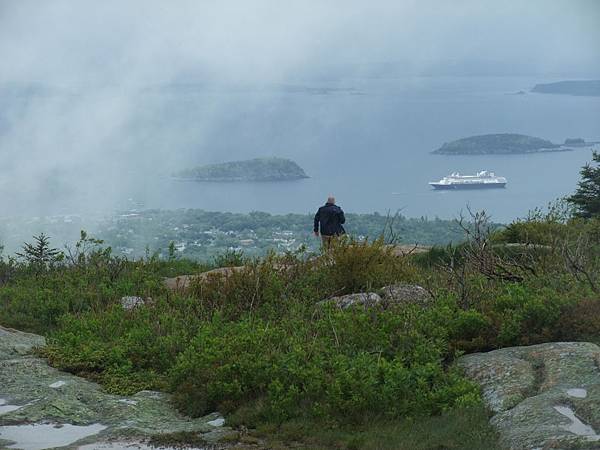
<point>331,199</point>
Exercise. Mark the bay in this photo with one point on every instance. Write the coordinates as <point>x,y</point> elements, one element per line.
<point>365,140</point>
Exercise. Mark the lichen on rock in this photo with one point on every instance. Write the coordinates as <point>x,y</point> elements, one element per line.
<point>361,299</point>
<point>398,294</point>
<point>388,296</point>
<point>537,393</point>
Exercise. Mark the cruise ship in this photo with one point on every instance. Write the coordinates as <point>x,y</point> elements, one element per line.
<point>483,180</point>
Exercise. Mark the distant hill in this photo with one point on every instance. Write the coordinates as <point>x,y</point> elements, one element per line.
<point>504,143</point>
<point>587,88</point>
<point>258,169</point>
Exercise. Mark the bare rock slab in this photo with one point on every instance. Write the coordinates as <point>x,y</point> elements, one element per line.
<point>183,282</point>
<point>42,407</point>
<point>544,396</point>
<point>15,343</point>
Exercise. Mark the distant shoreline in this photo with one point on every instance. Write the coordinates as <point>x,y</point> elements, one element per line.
<point>240,180</point>
<point>532,152</point>
<point>581,88</point>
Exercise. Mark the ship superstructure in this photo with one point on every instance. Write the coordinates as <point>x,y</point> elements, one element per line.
<point>481,180</point>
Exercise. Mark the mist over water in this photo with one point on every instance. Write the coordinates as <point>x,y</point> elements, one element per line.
<point>101,103</point>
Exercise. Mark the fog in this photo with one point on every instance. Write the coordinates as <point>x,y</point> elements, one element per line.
<point>82,43</point>
<point>87,111</point>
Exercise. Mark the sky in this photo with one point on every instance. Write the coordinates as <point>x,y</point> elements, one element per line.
<point>72,71</point>
<point>70,42</point>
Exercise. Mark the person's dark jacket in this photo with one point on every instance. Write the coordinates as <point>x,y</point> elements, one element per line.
<point>330,217</point>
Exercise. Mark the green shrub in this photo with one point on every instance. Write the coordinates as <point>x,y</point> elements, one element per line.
<point>356,266</point>
<point>579,321</point>
<point>36,303</point>
<point>230,258</point>
<point>348,363</point>
<point>532,232</point>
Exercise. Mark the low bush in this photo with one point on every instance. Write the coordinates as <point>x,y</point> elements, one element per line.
<point>355,364</point>
<point>579,321</point>
<point>358,266</point>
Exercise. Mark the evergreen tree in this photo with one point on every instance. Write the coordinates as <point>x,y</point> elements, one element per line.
<point>40,253</point>
<point>587,197</point>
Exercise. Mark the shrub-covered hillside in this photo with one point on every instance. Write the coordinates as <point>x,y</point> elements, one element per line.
<point>257,346</point>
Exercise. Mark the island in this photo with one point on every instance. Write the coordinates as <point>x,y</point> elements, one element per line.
<point>575,87</point>
<point>578,142</point>
<point>257,169</point>
<point>503,143</point>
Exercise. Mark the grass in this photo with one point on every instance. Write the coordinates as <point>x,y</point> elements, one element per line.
<point>460,429</point>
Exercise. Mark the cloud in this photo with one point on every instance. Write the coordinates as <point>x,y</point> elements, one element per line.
<point>68,41</point>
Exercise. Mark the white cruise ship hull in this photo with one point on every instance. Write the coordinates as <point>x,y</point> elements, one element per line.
<point>455,186</point>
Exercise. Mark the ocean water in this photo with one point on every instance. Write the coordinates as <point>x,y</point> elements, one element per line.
<point>367,141</point>
<point>371,147</point>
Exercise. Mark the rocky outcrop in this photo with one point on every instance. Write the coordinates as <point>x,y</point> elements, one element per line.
<point>14,344</point>
<point>544,396</point>
<point>41,404</point>
<point>397,294</point>
<point>362,299</point>
<point>183,282</point>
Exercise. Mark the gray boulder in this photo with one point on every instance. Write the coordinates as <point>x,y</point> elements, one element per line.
<point>543,396</point>
<point>406,294</point>
<point>396,294</point>
<point>131,302</point>
<point>362,299</point>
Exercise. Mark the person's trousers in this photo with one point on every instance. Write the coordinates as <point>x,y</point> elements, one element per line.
<point>327,240</point>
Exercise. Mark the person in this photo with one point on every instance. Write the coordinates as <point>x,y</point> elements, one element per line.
<point>328,221</point>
